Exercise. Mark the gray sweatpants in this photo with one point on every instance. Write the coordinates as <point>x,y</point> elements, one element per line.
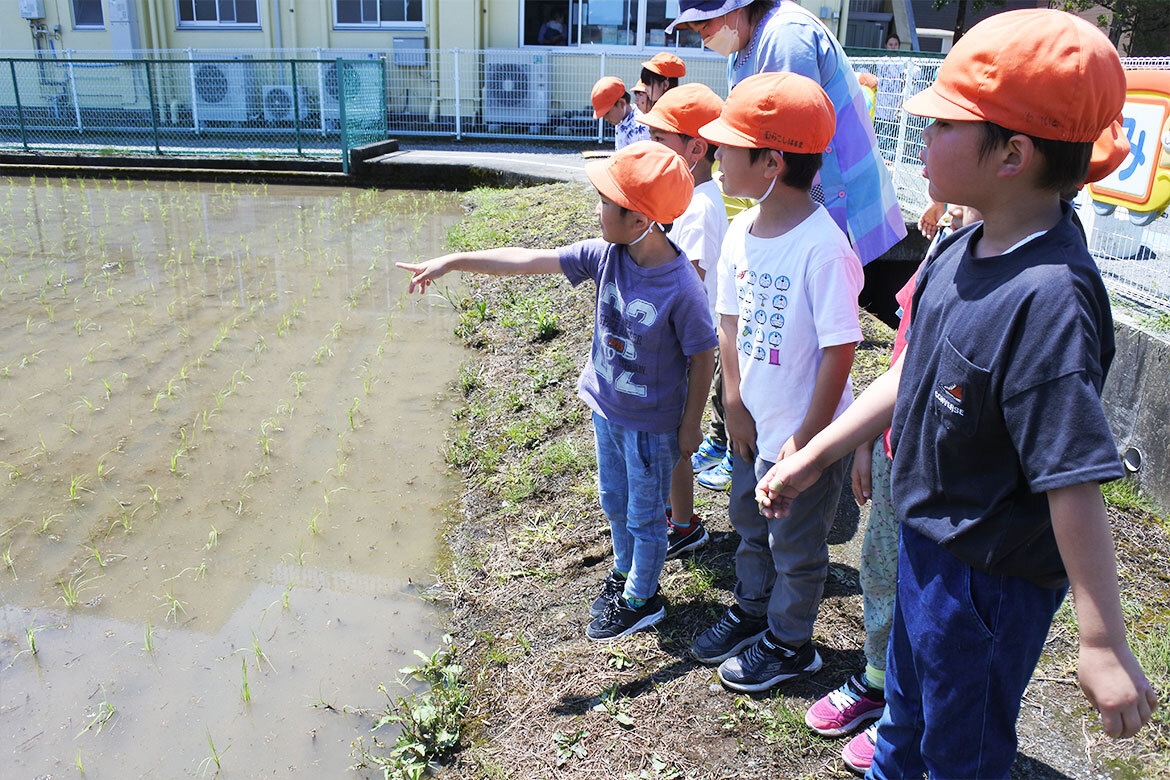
<point>781,563</point>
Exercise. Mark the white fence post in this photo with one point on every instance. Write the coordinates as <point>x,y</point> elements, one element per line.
<point>458,107</point>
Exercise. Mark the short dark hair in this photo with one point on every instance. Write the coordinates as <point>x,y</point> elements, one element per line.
<point>649,78</point>
<point>799,169</point>
<point>1066,163</point>
<point>758,10</point>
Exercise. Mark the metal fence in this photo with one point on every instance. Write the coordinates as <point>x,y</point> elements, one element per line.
<point>1134,258</point>
<point>322,102</point>
<point>246,106</point>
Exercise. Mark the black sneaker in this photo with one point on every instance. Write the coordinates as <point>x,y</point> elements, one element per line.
<point>679,542</point>
<point>620,619</point>
<point>610,590</point>
<point>735,631</point>
<point>767,663</point>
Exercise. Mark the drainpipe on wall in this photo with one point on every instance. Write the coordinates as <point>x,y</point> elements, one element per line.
<point>155,24</point>
<point>277,37</point>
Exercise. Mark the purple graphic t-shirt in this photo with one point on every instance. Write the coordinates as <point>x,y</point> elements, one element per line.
<point>647,321</point>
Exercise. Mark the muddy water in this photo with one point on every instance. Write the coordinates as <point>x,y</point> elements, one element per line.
<point>220,480</point>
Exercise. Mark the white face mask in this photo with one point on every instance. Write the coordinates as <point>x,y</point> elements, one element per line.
<point>725,41</point>
<point>645,233</point>
<point>768,191</point>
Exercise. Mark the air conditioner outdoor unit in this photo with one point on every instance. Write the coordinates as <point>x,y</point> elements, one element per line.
<point>515,87</point>
<point>279,104</point>
<point>224,91</point>
<point>363,79</point>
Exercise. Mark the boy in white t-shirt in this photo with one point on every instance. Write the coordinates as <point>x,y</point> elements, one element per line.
<point>788,286</point>
<point>674,122</point>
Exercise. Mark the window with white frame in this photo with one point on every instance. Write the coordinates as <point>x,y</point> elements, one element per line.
<point>87,14</point>
<point>196,13</point>
<point>377,13</point>
<point>603,22</point>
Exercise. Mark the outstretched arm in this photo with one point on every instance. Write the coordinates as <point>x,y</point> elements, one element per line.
<point>1110,676</point>
<point>497,262</point>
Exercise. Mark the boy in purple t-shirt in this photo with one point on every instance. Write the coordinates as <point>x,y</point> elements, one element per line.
<point>651,316</point>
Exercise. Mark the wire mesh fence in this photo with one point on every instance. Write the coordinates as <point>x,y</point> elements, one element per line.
<point>242,105</point>
<point>323,102</point>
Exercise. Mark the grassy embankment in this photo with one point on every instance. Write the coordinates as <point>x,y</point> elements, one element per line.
<point>530,547</point>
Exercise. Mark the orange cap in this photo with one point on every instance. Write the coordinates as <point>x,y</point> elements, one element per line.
<point>1037,71</point>
<point>605,93</point>
<point>867,79</point>
<point>647,178</point>
<point>667,65</point>
<point>684,110</point>
<point>1109,150</point>
<point>783,111</point>
<point>639,87</point>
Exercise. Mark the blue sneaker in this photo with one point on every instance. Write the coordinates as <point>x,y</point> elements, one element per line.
<point>719,477</point>
<point>708,456</point>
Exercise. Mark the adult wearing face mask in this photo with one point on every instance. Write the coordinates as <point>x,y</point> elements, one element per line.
<point>765,36</point>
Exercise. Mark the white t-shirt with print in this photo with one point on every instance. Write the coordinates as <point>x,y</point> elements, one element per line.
<point>699,232</point>
<point>794,295</point>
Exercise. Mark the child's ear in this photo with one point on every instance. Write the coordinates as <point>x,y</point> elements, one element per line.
<point>1015,156</point>
<point>773,163</point>
<point>697,148</point>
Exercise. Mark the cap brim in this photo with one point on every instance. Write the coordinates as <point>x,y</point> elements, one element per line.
<point>719,132</point>
<point>692,15</point>
<point>602,181</point>
<point>1109,151</point>
<point>658,122</point>
<point>930,104</point>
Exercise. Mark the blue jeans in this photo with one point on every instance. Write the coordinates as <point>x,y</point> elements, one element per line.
<point>962,649</point>
<point>633,474</point>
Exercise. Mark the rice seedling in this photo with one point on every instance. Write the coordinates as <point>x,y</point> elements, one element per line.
<point>353,409</point>
<point>102,560</point>
<point>313,528</point>
<point>148,637</point>
<point>212,538</point>
<point>13,471</point>
<point>206,763</point>
<point>245,693</point>
<point>100,718</point>
<point>72,588</point>
<point>47,521</point>
<point>30,643</point>
<point>103,469</point>
<point>174,605</point>
<point>6,559</point>
<point>178,453</point>
<point>77,487</point>
<point>153,495</point>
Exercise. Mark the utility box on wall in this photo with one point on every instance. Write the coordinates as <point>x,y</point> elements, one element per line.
<point>32,9</point>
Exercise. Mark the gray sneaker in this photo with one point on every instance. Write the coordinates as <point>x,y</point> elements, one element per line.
<point>735,631</point>
<point>767,663</point>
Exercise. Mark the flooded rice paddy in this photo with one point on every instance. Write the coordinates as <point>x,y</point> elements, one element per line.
<point>220,479</point>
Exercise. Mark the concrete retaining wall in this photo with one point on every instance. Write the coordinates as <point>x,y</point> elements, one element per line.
<point>1137,403</point>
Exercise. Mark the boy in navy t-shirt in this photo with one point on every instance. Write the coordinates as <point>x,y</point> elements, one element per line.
<point>999,437</point>
<point>651,316</point>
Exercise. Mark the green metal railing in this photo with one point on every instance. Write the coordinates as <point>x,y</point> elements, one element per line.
<point>236,106</point>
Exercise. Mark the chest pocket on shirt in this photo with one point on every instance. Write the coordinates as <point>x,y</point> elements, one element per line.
<point>958,392</point>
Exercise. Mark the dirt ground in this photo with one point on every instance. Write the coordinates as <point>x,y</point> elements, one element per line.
<point>529,548</point>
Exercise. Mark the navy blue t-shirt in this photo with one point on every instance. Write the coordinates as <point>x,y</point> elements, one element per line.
<point>1000,399</point>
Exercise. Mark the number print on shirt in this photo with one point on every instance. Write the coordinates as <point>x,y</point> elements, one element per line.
<point>620,346</point>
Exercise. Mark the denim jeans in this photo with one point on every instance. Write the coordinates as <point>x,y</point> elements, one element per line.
<point>962,649</point>
<point>633,473</point>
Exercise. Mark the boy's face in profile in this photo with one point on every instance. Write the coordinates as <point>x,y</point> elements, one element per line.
<point>617,224</point>
<point>641,101</point>
<point>741,177</point>
<point>678,143</point>
<point>953,168</point>
<point>616,114</point>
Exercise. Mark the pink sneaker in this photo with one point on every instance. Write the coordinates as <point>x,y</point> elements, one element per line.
<point>858,752</point>
<point>844,709</point>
